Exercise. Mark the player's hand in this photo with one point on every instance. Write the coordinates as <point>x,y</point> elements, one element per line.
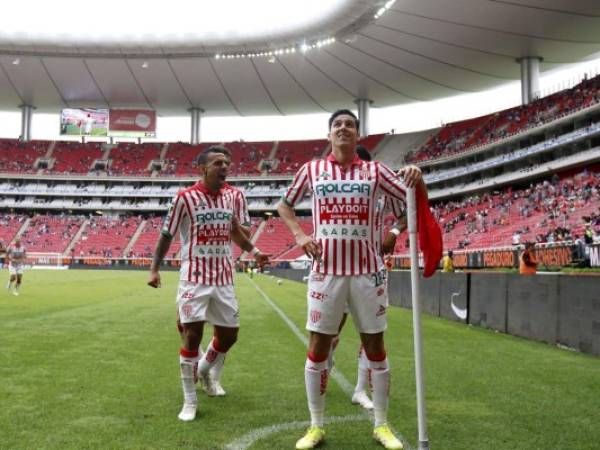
<point>412,175</point>
<point>310,246</point>
<point>261,259</point>
<point>388,244</point>
<point>154,280</point>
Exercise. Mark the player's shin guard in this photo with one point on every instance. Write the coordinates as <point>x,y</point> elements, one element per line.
<point>362,379</point>
<point>334,343</point>
<point>213,356</point>
<point>188,361</point>
<point>315,378</point>
<point>379,373</point>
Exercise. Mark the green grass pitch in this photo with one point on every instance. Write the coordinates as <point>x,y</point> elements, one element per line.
<point>89,360</point>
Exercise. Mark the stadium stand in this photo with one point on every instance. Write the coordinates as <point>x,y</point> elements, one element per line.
<point>133,159</point>
<point>180,159</point>
<point>75,157</point>
<point>463,136</point>
<point>50,234</point>
<point>10,224</point>
<point>292,154</point>
<point>554,209</point>
<point>276,238</point>
<point>246,157</point>
<point>106,236</point>
<point>20,157</point>
<point>475,207</point>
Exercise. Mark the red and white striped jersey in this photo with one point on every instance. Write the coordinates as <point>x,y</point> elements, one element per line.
<point>204,222</point>
<point>16,255</point>
<point>347,209</point>
<point>388,208</point>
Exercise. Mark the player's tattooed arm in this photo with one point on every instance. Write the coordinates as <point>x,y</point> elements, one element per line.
<point>239,235</point>
<point>308,244</point>
<point>162,247</point>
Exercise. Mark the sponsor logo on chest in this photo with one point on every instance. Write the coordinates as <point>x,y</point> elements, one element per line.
<point>342,188</point>
<point>213,216</point>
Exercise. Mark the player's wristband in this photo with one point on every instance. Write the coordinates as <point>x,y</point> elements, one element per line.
<point>255,251</point>
<point>395,231</point>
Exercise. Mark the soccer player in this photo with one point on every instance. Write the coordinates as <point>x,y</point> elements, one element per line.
<point>16,256</point>
<point>215,389</point>
<point>208,217</point>
<point>347,269</point>
<point>384,207</point>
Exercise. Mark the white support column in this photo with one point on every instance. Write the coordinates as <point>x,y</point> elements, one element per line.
<point>195,114</point>
<point>530,78</point>
<point>26,118</point>
<point>364,105</point>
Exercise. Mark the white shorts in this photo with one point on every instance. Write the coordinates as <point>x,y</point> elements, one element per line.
<point>201,303</point>
<point>330,296</point>
<point>15,269</point>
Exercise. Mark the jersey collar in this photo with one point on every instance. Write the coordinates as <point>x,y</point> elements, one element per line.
<point>355,162</point>
<point>200,186</point>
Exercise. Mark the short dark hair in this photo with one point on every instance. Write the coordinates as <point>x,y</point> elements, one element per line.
<point>363,153</point>
<point>450,253</point>
<point>203,156</point>
<point>343,112</point>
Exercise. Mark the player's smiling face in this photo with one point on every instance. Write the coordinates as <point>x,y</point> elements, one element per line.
<point>343,132</point>
<point>216,170</point>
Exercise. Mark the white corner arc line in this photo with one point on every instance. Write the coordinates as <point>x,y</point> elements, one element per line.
<point>336,375</point>
<point>250,438</point>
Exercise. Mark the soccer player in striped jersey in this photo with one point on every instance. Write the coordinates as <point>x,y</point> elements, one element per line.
<point>207,216</point>
<point>347,268</point>
<point>16,255</point>
<point>385,207</point>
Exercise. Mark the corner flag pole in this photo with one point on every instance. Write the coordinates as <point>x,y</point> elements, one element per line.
<point>416,310</point>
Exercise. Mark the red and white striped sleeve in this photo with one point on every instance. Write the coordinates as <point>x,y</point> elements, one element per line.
<point>174,216</point>
<point>395,207</point>
<point>241,209</point>
<point>299,186</point>
<point>390,183</point>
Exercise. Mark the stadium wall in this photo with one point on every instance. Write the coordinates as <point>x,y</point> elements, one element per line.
<point>561,310</point>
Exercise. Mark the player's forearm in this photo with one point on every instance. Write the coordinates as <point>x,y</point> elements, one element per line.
<point>162,247</point>
<point>287,213</point>
<point>239,237</point>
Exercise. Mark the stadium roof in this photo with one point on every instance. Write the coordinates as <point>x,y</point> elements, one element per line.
<point>415,50</point>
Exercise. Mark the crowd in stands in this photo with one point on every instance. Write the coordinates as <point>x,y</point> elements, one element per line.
<point>133,159</point>
<point>75,157</point>
<point>10,224</point>
<point>20,157</point>
<point>557,209</point>
<point>562,208</point>
<point>463,136</point>
<point>292,154</point>
<point>106,236</point>
<point>129,159</point>
<point>50,234</point>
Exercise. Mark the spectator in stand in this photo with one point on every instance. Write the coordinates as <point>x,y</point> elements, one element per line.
<point>528,262</point>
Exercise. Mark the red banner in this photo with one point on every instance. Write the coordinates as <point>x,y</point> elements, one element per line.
<point>132,122</point>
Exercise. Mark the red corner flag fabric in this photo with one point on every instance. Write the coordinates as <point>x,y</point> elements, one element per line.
<point>430,235</point>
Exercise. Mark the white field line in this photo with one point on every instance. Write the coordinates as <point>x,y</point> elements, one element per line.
<point>248,439</point>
